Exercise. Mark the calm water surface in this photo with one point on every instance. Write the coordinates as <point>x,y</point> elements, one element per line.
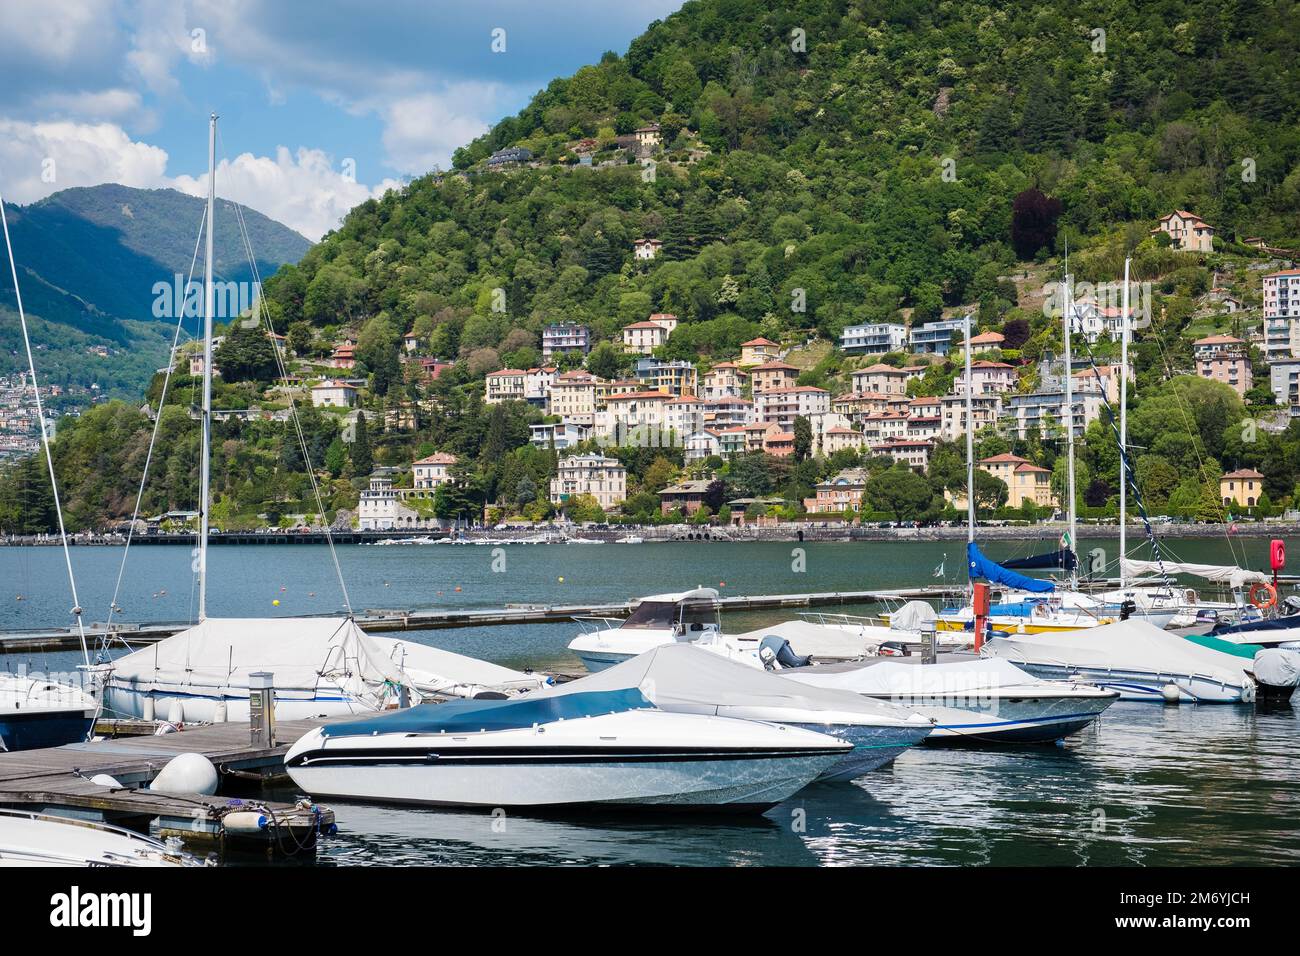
<point>1148,785</point>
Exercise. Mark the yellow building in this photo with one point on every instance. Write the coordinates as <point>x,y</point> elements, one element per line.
<point>1023,479</point>
<point>1241,487</point>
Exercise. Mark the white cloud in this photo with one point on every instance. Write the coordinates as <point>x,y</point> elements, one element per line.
<point>69,34</point>
<point>303,190</point>
<point>421,131</point>
<point>37,159</point>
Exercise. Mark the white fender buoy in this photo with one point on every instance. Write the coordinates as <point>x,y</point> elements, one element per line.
<point>219,712</point>
<point>1170,693</point>
<point>187,773</point>
<point>104,780</point>
<point>175,711</point>
<point>148,709</point>
<point>244,821</point>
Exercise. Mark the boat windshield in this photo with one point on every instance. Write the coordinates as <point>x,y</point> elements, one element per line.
<point>666,615</point>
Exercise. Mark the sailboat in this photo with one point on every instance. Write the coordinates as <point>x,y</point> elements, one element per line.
<point>35,710</point>
<point>320,666</point>
<point>1037,606</point>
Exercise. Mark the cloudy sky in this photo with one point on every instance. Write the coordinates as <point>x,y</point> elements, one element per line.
<point>95,91</point>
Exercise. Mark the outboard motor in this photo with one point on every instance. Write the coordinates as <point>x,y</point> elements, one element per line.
<point>893,649</point>
<point>781,652</point>
<point>1127,609</point>
<point>1291,606</point>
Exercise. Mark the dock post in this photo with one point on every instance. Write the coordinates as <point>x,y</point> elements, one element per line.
<point>261,709</point>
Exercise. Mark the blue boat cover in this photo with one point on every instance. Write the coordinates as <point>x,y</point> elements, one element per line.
<point>981,567</point>
<point>1063,559</point>
<point>471,716</point>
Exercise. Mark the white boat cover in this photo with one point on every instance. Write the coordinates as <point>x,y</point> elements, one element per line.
<point>686,679</point>
<point>1132,645</point>
<point>897,679</point>
<point>914,616</point>
<point>807,638</point>
<point>299,652</point>
<point>1235,577</point>
<point>435,671</point>
<point>1278,667</point>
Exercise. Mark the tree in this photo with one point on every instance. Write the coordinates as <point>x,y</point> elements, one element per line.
<point>299,338</point>
<point>900,492</point>
<point>802,438</point>
<point>362,460</point>
<point>247,354</point>
<point>335,458</point>
<point>1033,222</point>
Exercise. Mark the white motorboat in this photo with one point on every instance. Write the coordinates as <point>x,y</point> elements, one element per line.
<point>570,751</point>
<point>320,667</point>
<point>36,712</point>
<point>1135,658</point>
<point>34,839</point>
<point>658,619</point>
<point>691,679</point>
<point>972,700</point>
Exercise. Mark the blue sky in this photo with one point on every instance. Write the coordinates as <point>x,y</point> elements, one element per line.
<point>96,91</point>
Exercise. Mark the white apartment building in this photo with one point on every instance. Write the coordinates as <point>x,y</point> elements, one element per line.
<point>724,380</point>
<point>333,394</point>
<point>435,470</point>
<point>507,385</point>
<point>880,378</point>
<point>537,385</point>
<point>644,337</point>
<point>987,378</point>
<point>874,339</point>
<point>985,410</point>
<point>1282,314</point>
<point>573,397</point>
<point>603,478</point>
<point>781,406</point>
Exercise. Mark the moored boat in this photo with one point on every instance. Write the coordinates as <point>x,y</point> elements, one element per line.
<point>610,749</point>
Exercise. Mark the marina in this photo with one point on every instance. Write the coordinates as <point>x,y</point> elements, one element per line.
<point>59,781</point>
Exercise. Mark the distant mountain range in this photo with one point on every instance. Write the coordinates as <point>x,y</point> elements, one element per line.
<point>89,259</point>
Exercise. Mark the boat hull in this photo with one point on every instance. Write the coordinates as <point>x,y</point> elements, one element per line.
<point>200,705</point>
<point>873,747</point>
<point>596,661</point>
<point>35,729</point>
<point>682,781</point>
<point>1020,720</point>
<point>1146,685</point>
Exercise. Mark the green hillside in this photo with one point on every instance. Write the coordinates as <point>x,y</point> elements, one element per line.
<point>88,262</point>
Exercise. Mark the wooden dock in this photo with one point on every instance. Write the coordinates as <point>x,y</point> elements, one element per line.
<point>379,621</point>
<point>57,781</point>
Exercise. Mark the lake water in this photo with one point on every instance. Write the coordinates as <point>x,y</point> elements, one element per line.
<point>1147,785</point>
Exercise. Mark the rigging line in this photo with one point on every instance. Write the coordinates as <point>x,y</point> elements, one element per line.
<point>153,438</point>
<point>45,437</point>
<point>293,407</point>
<point>1200,461</point>
<point>1129,474</point>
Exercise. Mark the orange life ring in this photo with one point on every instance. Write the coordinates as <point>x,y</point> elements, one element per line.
<point>1254,595</point>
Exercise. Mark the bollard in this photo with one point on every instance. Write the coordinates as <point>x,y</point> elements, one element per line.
<point>929,645</point>
<point>261,709</point>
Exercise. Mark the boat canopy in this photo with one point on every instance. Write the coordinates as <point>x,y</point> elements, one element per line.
<point>1063,559</point>
<point>897,678</point>
<point>218,654</point>
<point>1235,576</point>
<point>693,609</point>
<point>474,716</point>
<point>981,567</point>
<point>1132,645</point>
<point>687,679</point>
<point>914,616</point>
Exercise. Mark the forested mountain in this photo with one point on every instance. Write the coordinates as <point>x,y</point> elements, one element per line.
<point>88,260</point>
<point>824,167</point>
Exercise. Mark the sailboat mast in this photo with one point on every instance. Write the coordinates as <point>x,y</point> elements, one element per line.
<point>1123,423</point>
<point>970,443</point>
<point>1067,292</point>
<point>205,461</point>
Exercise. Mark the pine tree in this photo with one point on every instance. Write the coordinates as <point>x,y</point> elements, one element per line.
<point>363,461</point>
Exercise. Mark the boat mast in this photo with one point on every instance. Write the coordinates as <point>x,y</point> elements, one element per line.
<point>205,476</point>
<point>1067,293</point>
<point>970,444</point>
<point>1123,422</point>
